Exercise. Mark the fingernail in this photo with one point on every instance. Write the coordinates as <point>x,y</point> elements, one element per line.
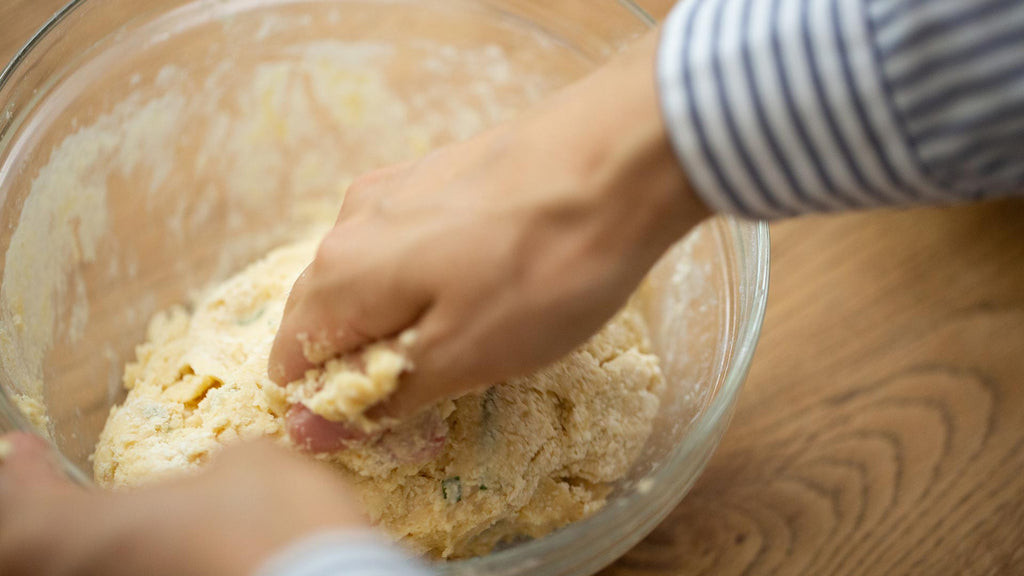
<point>6,449</point>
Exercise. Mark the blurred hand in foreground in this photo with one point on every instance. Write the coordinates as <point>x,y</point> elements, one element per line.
<point>226,520</point>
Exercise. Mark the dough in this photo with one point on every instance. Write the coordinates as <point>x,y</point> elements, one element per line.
<point>340,391</point>
<point>519,460</point>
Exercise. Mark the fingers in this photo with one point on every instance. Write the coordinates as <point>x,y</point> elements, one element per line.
<point>320,321</point>
<point>350,296</point>
<point>414,441</point>
<point>417,390</point>
<point>309,336</point>
<point>440,357</point>
<point>370,183</point>
<point>27,461</point>
<point>317,435</point>
<point>320,328</point>
<point>286,357</point>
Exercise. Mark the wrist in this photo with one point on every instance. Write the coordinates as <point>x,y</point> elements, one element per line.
<point>627,157</point>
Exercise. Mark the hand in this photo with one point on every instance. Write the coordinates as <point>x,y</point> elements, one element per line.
<point>226,520</point>
<point>503,253</point>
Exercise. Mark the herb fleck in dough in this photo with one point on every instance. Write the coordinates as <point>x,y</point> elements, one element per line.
<point>521,459</point>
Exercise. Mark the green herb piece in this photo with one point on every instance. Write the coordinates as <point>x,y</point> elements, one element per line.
<point>483,487</point>
<point>252,318</point>
<point>451,489</point>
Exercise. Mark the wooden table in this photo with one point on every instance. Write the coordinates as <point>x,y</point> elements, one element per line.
<point>881,430</point>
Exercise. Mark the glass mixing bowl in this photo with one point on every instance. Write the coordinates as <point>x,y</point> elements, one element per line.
<point>148,149</point>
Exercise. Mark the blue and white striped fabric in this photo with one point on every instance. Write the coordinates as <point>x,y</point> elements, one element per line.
<point>343,553</point>
<point>783,107</point>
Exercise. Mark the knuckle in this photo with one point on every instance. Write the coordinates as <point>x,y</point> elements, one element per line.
<point>328,252</point>
<point>336,254</point>
<point>360,189</point>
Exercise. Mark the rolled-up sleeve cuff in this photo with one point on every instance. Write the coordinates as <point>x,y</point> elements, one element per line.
<point>778,108</point>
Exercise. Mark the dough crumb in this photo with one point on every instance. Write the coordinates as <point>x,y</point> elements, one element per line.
<point>341,390</point>
<point>35,411</point>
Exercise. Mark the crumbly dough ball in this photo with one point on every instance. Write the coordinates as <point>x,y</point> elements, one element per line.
<point>341,391</point>
<point>519,460</point>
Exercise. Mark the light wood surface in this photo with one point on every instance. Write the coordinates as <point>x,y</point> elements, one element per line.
<point>881,430</point>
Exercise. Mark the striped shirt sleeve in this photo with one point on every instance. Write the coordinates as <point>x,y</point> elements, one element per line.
<point>343,552</point>
<point>784,107</point>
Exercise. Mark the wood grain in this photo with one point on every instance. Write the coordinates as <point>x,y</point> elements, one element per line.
<point>881,430</point>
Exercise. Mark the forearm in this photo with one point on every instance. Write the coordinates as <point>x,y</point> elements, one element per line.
<point>785,107</point>
<point>608,131</point>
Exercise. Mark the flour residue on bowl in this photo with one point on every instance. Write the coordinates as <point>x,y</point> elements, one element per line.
<point>146,166</point>
<point>61,225</point>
